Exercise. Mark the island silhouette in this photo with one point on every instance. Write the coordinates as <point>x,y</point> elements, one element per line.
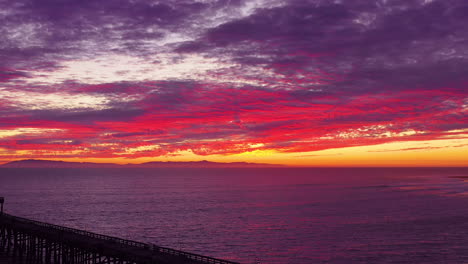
<point>36,163</point>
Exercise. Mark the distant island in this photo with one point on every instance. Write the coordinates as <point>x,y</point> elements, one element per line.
<point>33,163</point>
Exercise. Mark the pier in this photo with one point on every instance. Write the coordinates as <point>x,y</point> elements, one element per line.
<point>27,241</point>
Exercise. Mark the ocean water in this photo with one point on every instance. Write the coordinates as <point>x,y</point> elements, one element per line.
<point>285,215</point>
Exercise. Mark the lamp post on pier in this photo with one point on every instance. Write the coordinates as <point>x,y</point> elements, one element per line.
<point>2,200</point>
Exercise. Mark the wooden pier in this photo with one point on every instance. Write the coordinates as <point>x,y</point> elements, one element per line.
<point>27,241</point>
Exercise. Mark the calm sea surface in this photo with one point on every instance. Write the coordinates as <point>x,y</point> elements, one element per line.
<point>259,215</point>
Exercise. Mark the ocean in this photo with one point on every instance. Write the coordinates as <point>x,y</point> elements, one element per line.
<point>254,215</point>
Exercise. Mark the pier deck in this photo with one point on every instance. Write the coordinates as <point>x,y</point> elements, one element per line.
<point>29,241</point>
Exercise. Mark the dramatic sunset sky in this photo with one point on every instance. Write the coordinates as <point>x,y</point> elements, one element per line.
<point>311,83</point>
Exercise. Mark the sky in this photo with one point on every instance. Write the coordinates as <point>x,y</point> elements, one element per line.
<point>296,82</point>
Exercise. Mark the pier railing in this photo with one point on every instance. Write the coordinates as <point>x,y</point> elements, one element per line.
<point>119,241</point>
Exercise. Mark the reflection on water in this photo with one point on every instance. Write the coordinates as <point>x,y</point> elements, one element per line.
<point>273,215</point>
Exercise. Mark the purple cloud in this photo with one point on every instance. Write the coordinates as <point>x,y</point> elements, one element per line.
<point>230,76</point>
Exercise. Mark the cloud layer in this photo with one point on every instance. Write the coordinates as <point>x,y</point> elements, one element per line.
<point>150,79</point>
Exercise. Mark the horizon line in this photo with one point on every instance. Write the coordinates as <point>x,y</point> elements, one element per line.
<point>252,163</point>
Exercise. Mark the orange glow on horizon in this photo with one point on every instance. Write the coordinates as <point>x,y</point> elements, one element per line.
<point>434,153</point>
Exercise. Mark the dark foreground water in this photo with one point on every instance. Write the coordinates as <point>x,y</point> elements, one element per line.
<point>259,215</point>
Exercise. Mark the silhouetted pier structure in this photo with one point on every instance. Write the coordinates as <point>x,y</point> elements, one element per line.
<point>28,241</point>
